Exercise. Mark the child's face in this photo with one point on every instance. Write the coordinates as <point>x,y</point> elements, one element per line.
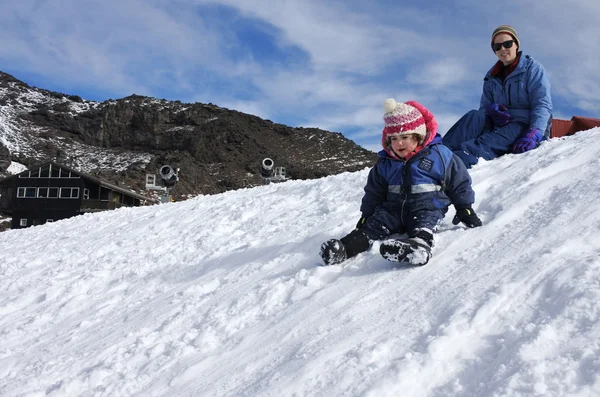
<point>403,144</point>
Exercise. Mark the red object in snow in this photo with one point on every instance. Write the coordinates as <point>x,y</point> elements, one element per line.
<point>569,127</point>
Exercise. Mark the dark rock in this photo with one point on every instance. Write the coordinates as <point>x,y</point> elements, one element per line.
<point>4,158</point>
<point>216,149</point>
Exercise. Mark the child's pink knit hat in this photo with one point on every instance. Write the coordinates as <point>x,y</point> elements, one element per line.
<point>406,118</point>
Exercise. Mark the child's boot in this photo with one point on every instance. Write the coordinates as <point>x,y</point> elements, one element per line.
<point>336,251</point>
<point>415,250</point>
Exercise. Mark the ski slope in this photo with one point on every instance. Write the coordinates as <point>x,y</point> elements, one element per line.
<point>223,296</point>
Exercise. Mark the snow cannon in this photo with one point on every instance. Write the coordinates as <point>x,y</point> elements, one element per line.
<point>267,170</point>
<point>168,175</point>
<point>269,173</point>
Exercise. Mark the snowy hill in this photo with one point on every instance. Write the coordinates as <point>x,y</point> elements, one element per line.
<point>222,296</point>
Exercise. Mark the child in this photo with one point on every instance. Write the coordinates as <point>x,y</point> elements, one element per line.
<point>408,190</point>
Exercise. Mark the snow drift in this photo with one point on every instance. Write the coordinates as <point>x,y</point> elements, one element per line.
<point>223,296</point>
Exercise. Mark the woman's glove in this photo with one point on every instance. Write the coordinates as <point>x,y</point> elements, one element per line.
<point>499,114</point>
<point>466,216</point>
<point>527,141</point>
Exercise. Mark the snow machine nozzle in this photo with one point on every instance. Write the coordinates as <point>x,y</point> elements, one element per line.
<point>266,170</point>
<point>167,173</point>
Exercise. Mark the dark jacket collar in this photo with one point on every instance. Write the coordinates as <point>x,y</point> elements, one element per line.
<point>501,71</point>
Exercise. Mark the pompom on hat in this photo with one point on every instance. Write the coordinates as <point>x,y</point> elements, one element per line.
<point>407,118</point>
<point>508,30</point>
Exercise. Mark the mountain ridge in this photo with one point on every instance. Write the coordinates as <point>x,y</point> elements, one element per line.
<point>217,149</point>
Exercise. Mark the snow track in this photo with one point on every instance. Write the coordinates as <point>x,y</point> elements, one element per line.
<point>222,296</point>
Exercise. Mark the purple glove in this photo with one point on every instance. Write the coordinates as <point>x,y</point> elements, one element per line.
<point>527,141</point>
<point>499,114</point>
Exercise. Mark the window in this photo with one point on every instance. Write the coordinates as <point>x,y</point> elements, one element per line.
<point>150,180</point>
<point>49,220</point>
<point>45,172</point>
<point>49,171</point>
<point>69,192</point>
<point>26,192</point>
<point>43,192</point>
<point>52,192</point>
<point>68,174</point>
<point>86,194</point>
<point>104,194</point>
<point>23,222</point>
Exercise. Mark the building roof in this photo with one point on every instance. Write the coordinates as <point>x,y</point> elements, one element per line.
<point>569,127</point>
<point>586,122</point>
<point>560,128</point>
<point>88,177</point>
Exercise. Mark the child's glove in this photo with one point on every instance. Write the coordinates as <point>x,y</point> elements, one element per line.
<point>527,141</point>
<point>499,114</point>
<point>361,221</point>
<point>466,216</point>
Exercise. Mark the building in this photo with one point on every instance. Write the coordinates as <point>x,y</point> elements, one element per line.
<point>50,192</point>
<point>569,127</point>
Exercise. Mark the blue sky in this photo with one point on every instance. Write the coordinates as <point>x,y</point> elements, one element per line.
<point>326,64</point>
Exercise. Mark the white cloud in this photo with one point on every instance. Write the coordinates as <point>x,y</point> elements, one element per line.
<point>340,59</point>
<point>441,73</point>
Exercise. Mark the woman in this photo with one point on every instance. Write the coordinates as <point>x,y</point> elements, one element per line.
<point>515,112</point>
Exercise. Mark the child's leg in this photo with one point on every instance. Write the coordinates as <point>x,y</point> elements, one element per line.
<point>336,251</point>
<point>382,223</point>
<point>377,226</point>
<point>416,249</point>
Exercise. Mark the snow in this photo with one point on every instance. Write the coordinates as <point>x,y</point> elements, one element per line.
<point>9,129</point>
<point>184,128</point>
<point>86,158</point>
<point>80,107</point>
<point>223,296</point>
<point>16,168</point>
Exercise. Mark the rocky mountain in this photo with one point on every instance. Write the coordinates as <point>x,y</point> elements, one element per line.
<point>216,149</point>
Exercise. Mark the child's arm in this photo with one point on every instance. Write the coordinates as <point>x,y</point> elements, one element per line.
<point>458,184</point>
<point>375,192</point>
<point>461,194</point>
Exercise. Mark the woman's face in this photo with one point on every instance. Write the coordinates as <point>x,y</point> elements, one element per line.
<point>505,55</point>
<point>403,144</point>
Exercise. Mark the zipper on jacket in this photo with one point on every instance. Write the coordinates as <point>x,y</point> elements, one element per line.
<point>405,194</point>
<point>509,95</point>
<point>402,212</point>
<point>503,86</point>
<point>406,177</point>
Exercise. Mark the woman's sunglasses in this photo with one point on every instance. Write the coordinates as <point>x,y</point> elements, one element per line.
<point>506,44</point>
